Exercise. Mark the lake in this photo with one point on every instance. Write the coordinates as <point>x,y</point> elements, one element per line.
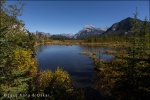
<point>80,67</point>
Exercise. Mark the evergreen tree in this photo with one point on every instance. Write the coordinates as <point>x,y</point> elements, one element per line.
<point>136,70</point>
<point>126,77</point>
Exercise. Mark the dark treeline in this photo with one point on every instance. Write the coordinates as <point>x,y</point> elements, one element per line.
<point>105,38</point>
<point>59,37</point>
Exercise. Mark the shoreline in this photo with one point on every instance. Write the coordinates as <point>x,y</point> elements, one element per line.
<point>80,42</point>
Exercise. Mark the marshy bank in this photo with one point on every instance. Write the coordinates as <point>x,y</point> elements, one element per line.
<point>82,42</point>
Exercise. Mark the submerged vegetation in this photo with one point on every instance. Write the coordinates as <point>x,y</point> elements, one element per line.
<point>125,77</point>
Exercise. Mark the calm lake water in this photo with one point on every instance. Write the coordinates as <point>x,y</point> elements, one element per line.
<point>80,67</point>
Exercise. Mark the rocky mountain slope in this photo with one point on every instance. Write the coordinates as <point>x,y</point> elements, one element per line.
<point>89,30</point>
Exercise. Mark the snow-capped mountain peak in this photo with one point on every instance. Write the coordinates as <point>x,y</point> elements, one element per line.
<point>90,30</point>
<point>91,27</point>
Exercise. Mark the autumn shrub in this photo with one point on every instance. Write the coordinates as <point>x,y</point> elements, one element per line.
<point>45,79</point>
<point>58,84</point>
<point>21,59</point>
<point>22,69</point>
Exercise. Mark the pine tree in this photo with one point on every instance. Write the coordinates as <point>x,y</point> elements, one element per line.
<point>136,70</point>
<point>126,76</point>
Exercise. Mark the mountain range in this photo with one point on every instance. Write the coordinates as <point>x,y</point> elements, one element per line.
<point>120,28</point>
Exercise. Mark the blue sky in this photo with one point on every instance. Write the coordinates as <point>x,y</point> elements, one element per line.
<point>57,17</point>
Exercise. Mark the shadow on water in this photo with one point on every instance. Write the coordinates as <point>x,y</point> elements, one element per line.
<point>92,94</point>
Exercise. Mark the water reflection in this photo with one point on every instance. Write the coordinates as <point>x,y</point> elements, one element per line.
<point>80,67</point>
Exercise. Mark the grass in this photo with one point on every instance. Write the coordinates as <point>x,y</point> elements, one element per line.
<point>107,44</point>
<point>85,53</point>
<point>109,52</point>
<point>91,55</point>
<point>81,42</point>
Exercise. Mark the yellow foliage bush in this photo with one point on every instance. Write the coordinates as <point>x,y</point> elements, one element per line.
<point>45,78</point>
<point>21,59</point>
<point>59,77</point>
